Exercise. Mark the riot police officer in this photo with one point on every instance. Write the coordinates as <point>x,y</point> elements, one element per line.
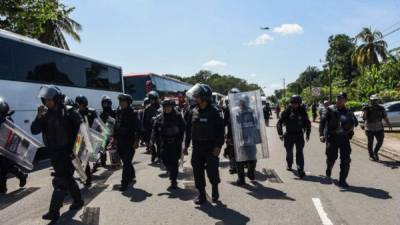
<point>152,110</point>
<point>206,129</point>
<point>108,112</point>
<point>89,114</point>
<point>59,128</point>
<point>6,165</point>
<point>126,137</point>
<point>336,129</point>
<point>229,149</point>
<point>296,120</point>
<point>168,130</point>
<point>267,113</point>
<point>373,116</point>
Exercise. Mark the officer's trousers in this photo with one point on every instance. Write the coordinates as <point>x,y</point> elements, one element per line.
<point>204,160</point>
<point>291,140</point>
<point>170,154</point>
<point>334,145</point>
<point>126,153</point>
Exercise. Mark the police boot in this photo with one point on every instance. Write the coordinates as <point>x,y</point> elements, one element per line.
<point>215,193</point>
<point>56,203</point>
<point>76,205</point>
<point>201,199</point>
<point>240,181</point>
<point>251,170</point>
<point>329,166</point>
<point>174,184</point>
<point>344,172</point>
<point>301,173</point>
<point>22,179</point>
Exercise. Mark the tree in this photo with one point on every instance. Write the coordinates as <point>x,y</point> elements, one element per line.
<point>310,77</point>
<point>338,58</point>
<point>372,51</point>
<point>45,20</point>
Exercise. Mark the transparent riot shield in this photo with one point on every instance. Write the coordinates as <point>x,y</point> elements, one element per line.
<point>17,145</point>
<point>106,129</point>
<point>248,126</point>
<point>82,149</point>
<point>99,142</point>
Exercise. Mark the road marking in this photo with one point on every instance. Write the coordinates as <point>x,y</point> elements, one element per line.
<point>322,214</point>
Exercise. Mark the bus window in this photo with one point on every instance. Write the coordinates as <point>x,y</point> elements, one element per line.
<point>6,60</point>
<point>115,79</point>
<point>96,76</point>
<point>135,86</point>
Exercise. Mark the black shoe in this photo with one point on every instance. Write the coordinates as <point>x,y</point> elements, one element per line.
<point>376,157</point>
<point>240,182</point>
<point>232,171</point>
<point>174,184</point>
<point>301,173</point>
<point>328,173</point>
<point>76,205</point>
<point>289,168</point>
<point>343,184</point>
<point>22,180</point>
<point>201,199</point>
<point>215,193</point>
<point>123,187</point>
<point>251,176</point>
<point>51,216</point>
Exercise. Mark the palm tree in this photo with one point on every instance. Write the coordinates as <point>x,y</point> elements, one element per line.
<point>372,49</point>
<point>54,29</point>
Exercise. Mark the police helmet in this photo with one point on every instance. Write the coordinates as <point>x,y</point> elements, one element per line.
<point>342,95</point>
<point>234,90</point>
<point>51,92</point>
<point>81,100</point>
<point>244,99</point>
<point>295,99</point>
<point>200,90</point>
<point>106,99</point>
<point>146,101</point>
<point>153,95</point>
<point>68,101</point>
<point>125,97</point>
<point>4,108</point>
<point>167,102</point>
<point>374,98</point>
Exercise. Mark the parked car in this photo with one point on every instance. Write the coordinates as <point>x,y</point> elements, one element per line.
<point>392,110</point>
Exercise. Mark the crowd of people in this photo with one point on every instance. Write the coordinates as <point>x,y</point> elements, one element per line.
<point>167,130</point>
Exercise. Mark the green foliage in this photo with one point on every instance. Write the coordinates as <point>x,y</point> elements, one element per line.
<point>354,105</point>
<point>390,95</point>
<point>219,83</point>
<point>45,20</point>
<point>338,58</point>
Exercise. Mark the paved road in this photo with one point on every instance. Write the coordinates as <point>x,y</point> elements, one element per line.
<point>277,197</point>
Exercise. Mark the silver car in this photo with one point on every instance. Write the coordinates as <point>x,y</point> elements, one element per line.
<point>392,110</point>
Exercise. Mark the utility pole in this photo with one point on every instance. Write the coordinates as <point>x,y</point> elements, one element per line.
<point>284,87</point>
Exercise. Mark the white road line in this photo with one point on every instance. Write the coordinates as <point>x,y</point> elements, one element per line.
<point>322,214</point>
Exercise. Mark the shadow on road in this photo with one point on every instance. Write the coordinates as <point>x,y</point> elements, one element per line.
<point>317,179</point>
<point>185,194</point>
<point>224,214</point>
<point>390,164</point>
<point>259,191</point>
<point>136,194</point>
<point>368,191</point>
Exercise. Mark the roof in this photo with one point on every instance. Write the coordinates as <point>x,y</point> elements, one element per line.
<point>30,41</point>
<point>156,75</point>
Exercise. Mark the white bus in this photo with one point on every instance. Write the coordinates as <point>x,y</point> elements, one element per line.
<point>26,64</point>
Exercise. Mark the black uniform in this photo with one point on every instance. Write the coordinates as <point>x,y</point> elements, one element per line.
<point>104,115</point>
<point>59,128</point>
<point>205,129</point>
<point>229,149</point>
<point>374,127</point>
<point>8,166</point>
<point>125,134</point>
<point>91,115</point>
<point>168,130</point>
<point>150,112</point>
<point>314,109</point>
<point>336,126</point>
<point>267,113</point>
<point>296,122</point>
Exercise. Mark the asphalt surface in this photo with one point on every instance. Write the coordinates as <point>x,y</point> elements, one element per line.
<point>276,197</point>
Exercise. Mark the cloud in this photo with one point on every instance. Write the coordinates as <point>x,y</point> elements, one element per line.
<point>253,75</point>
<point>286,29</point>
<point>261,40</point>
<point>214,63</point>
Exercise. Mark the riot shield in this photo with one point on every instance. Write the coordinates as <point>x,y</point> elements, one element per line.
<point>99,142</point>
<point>82,149</point>
<point>248,129</point>
<point>17,145</point>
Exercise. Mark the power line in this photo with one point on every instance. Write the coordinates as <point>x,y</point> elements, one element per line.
<point>391,32</point>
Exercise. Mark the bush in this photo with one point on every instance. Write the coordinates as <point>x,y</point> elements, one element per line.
<point>389,95</point>
<point>354,105</point>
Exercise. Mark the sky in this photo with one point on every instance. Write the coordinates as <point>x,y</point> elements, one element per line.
<point>184,36</point>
